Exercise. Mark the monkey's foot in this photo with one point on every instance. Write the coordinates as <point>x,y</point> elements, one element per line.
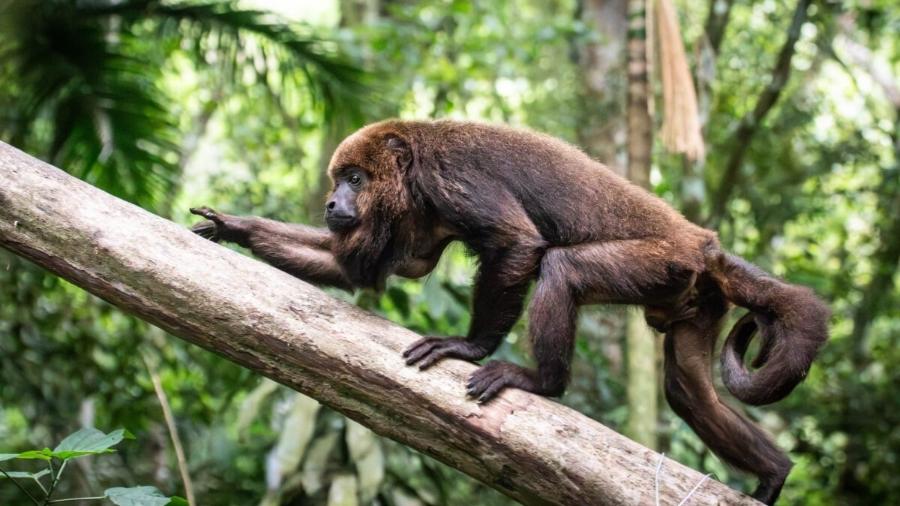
<point>427,351</point>
<point>494,376</point>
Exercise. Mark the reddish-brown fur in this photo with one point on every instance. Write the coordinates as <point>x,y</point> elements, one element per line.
<point>537,209</point>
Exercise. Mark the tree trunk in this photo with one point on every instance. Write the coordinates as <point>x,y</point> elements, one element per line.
<point>601,131</point>
<point>530,448</point>
<point>693,184</point>
<point>601,60</point>
<point>640,340</point>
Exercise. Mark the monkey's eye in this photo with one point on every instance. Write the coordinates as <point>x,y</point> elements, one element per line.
<point>355,181</point>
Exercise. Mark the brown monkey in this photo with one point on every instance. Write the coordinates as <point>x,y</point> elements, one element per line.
<point>534,208</point>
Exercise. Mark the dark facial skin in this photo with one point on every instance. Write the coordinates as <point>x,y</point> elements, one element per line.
<point>341,213</point>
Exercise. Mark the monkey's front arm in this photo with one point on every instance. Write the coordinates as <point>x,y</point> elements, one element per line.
<point>299,250</point>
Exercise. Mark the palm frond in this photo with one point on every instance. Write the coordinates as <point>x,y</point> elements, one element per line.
<point>86,104</point>
<point>83,78</point>
<point>225,34</point>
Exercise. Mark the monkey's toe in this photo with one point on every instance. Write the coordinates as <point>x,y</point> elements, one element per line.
<point>429,350</point>
<point>491,378</point>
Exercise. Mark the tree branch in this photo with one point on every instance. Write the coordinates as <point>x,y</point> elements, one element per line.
<point>749,124</point>
<point>716,22</point>
<point>529,448</point>
<point>173,431</point>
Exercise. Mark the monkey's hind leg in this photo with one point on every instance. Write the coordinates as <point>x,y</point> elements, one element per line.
<point>689,347</point>
<point>629,271</point>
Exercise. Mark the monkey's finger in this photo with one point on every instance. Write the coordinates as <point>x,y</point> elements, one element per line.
<point>207,213</point>
<point>207,230</point>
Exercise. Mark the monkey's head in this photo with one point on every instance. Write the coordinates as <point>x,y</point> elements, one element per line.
<point>369,201</point>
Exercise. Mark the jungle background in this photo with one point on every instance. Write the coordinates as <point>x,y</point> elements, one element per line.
<point>238,105</point>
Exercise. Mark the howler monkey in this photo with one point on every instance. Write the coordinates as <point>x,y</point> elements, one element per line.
<point>534,208</point>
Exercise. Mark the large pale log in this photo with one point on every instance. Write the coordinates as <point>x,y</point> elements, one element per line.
<point>527,447</point>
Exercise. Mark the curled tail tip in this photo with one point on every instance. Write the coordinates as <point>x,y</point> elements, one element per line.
<point>791,320</point>
<point>786,354</point>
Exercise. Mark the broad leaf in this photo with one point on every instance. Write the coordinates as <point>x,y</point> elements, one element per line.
<point>137,496</point>
<point>8,456</point>
<point>89,441</point>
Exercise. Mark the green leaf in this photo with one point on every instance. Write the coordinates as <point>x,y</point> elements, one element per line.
<point>138,496</point>
<point>178,501</point>
<point>44,454</point>
<point>89,441</point>
<point>8,456</point>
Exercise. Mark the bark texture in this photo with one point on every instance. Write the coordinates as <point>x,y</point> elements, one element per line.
<point>530,448</point>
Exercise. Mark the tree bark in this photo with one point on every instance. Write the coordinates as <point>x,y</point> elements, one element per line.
<point>529,448</point>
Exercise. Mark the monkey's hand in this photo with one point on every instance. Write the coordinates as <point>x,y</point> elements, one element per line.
<point>219,227</point>
<point>427,351</point>
<point>494,376</point>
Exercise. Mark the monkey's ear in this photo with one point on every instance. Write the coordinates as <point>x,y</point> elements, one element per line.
<point>400,150</point>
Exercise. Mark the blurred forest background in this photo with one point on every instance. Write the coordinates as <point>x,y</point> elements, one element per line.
<point>238,105</point>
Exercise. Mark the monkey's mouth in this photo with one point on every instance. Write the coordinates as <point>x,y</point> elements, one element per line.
<point>341,223</point>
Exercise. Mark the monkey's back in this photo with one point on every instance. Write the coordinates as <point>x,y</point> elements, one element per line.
<point>569,197</point>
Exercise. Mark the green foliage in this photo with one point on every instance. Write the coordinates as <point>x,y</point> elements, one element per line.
<point>87,441</point>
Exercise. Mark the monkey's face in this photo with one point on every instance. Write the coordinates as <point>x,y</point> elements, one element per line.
<point>367,174</point>
<point>341,211</point>
<point>368,202</point>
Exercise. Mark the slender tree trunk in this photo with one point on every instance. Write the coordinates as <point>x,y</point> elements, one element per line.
<point>716,23</point>
<point>693,184</point>
<point>602,127</point>
<point>640,340</point>
<point>189,147</point>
